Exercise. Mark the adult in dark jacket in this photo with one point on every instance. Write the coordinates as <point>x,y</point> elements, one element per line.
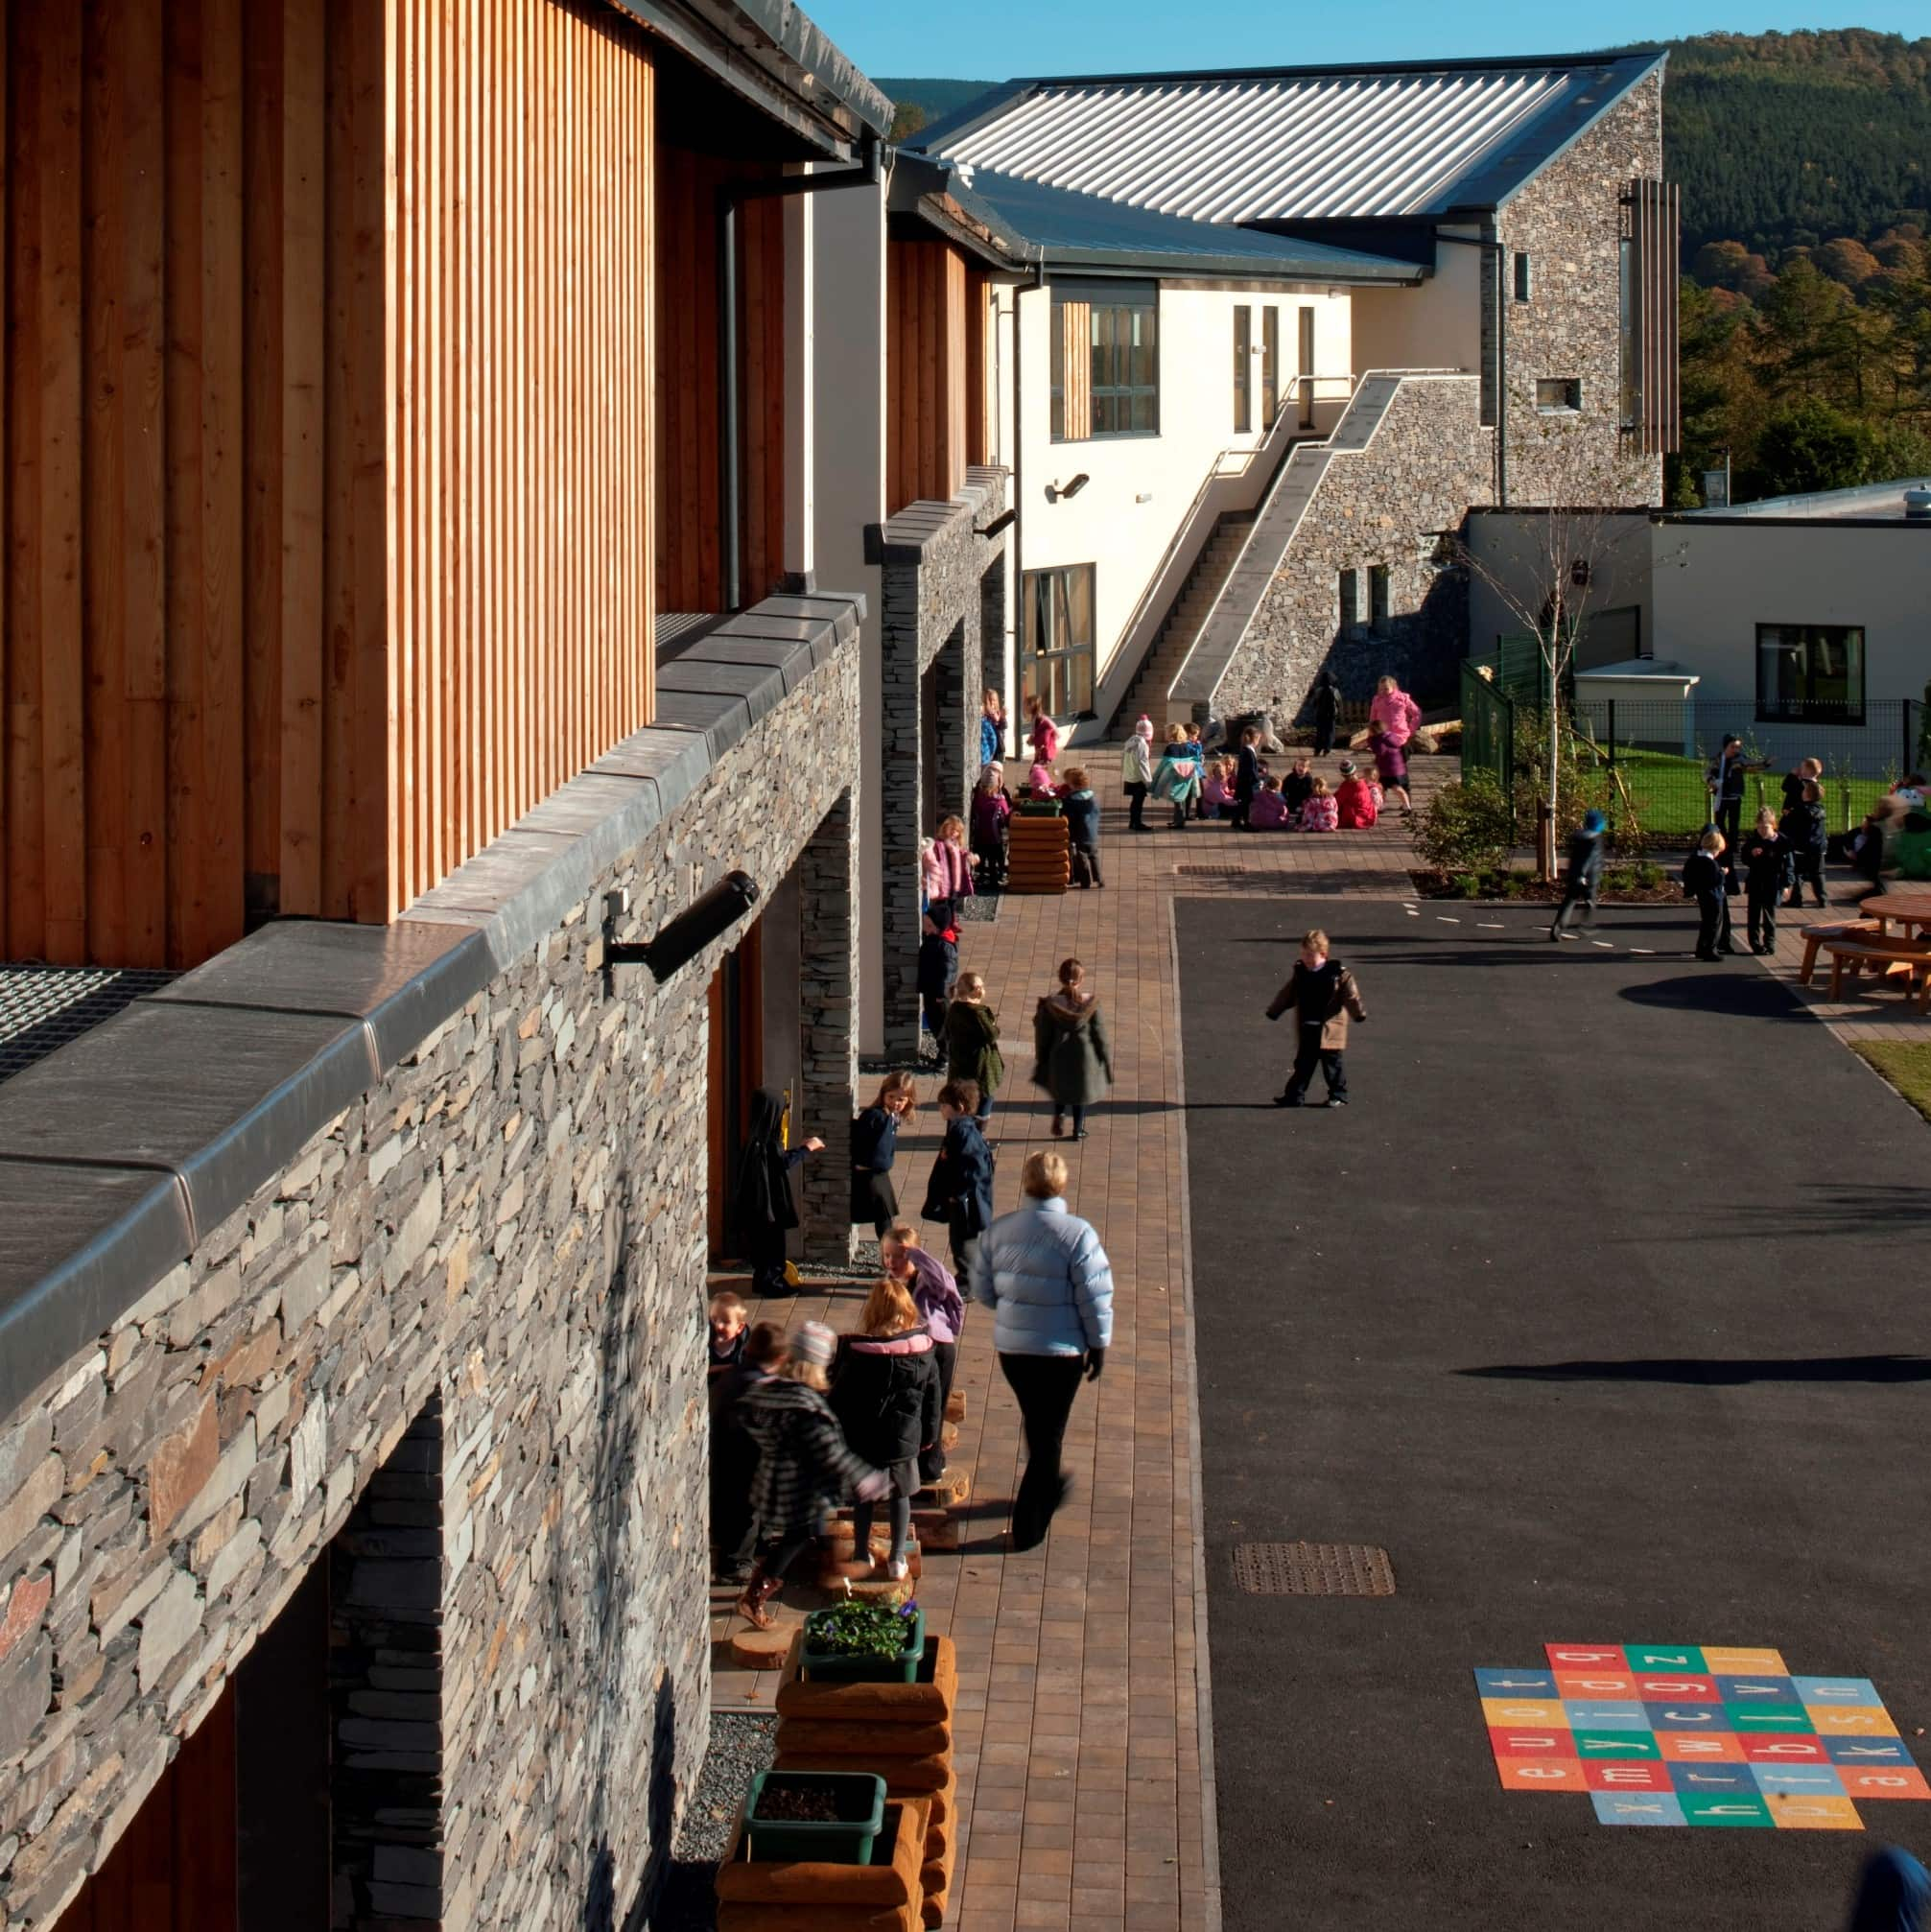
<point>734,1456</point>
<point>885,1395</point>
<point>875,1140</point>
<point>1803,830</point>
<point>1073,1059</point>
<point>762,1197</point>
<point>1326,703</point>
<point>1766,862</point>
<point>1586,872</point>
<point>959,1192</point>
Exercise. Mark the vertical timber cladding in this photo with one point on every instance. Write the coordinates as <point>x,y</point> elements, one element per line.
<point>316,510</point>
<point>928,343</point>
<point>1653,211</point>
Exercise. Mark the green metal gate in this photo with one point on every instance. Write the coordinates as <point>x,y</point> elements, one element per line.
<point>1488,728</point>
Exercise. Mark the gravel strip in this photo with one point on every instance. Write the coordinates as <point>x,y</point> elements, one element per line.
<point>741,1746</point>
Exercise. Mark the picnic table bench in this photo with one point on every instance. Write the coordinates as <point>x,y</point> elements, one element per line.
<point>1855,956</point>
<point>1827,929</point>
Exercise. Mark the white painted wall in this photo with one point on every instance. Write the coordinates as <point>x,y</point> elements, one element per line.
<point>848,464</point>
<point>1511,548</point>
<point>1142,487</point>
<point>1436,326</point>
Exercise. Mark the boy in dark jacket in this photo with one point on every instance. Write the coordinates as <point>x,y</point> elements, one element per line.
<point>1082,828</point>
<point>734,1456</point>
<point>1323,996</point>
<point>959,1192</point>
<point>1246,778</point>
<point>1586,873</point>
<point>1804,830</point>
<point>1766,874</point>
<point>1704,879</point>
<point>938,965</point>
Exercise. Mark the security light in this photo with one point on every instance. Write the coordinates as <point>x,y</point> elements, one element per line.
<point>1072,488</point>
<point>708,917</point>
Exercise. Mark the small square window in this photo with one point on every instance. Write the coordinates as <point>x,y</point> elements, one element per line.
<point>1524,284</point>
<point>1377,598</point>
<point>1559,395</point>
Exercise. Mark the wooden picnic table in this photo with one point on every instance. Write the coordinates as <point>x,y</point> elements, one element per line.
<point>1906,908</point>
<point>1856,955</point>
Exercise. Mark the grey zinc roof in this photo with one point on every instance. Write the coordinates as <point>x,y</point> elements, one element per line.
<point>1293,144</point>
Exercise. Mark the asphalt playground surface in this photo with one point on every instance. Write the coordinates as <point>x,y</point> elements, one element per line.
<point>1605,1307</point>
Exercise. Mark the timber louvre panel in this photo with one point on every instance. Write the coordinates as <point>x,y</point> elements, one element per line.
<point>929,349</point>
<point>1655,222</point>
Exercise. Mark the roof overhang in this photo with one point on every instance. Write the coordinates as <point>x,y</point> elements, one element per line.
<point>775,58</point>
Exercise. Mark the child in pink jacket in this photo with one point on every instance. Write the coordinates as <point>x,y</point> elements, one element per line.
<point>1320,812</point>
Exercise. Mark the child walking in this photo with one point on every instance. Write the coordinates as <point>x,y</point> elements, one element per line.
<point>938,965</point>
<point>1586,872</point>
<point>734,1456</point>
<point>936,1296</point>
<point>887,1399</point>
<point>1135,773</point>
<point>1803,830</point>
<point>875,1141</point>
<point>972,1042</point>
<point>1323,997</point>
<point>990,807</point>
<point>1391,766</point>
<point>959,1192</point>
<point>1704,879</point>
<point>1042,733</point>
<point>805,1467</point>
<point>1072,1057</point>
<point>1082,828</point>
<point>762,1194</point>
<point>1766,876</point>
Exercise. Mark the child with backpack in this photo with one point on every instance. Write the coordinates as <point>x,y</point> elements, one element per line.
<point>1323,997</point>
<point>941,1308</point>
<point>959,1192</point>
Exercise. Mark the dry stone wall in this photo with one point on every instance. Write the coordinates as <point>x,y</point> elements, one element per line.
<point>495,1260</point>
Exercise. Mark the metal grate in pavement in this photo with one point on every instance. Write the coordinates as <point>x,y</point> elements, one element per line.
<point>44,1008</point>
<point>1313,1569</point>
<point>1214,872</point>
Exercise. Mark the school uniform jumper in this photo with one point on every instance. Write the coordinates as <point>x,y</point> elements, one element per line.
<point>1082,834</point>
<point>1766,877</point>
<point>1323,999</point>
<point>875,1140</point>
<point>1704,880</point>
<point>1802,828</point>
<point>959,1191</point>
<point>885,1395</point>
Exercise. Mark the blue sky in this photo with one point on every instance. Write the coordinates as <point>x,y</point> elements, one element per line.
<point>991,40</point>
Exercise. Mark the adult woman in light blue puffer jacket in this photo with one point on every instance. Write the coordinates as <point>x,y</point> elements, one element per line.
<point>1043,1272</point>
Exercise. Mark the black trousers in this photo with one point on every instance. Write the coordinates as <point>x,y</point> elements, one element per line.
<point>1572,897</point>
<point>1763,920</point>
<point>1729,821</point>
<point>1135,810</point>
<point>935,1004</point>
<point>1045,1386</point>
<point>1712,933</point>
<point>1324,738</point>
<point>932,1461</point>
<point>1310,1052</point>
<point>1085,863</point>
<point>764,1250</point>
<point>734,1531</point>
<point>1809,866</point>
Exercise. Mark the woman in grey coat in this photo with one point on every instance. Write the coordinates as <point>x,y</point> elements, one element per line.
<point>1072,1058</point>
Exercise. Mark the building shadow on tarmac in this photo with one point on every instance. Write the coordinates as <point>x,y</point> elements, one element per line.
<point>1716,1373</point>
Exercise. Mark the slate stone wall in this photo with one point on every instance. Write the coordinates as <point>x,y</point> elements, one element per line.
<point>496,1258</point>
<point>1385,505</point>
<point>933,606</point>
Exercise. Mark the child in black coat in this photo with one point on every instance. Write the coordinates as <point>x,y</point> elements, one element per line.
<point>938,965</point>
<point>886,1396</point>
<point>734,1456</point>
<point>1586,872</point>
<point>762,1197</point>
<point>959,1192</point>
<point>1704,879</point>
<point>1804,830</point>
<point>1082,828</point>
<point>1766,874</point>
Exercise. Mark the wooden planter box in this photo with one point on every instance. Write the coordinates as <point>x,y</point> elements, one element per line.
<point>842,1737</point>
<point>926,1700</point>
<point>810,1896</point>
<point>1038,854</point>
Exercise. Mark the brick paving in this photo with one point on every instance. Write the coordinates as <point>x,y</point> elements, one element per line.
<point>1083,1732</point>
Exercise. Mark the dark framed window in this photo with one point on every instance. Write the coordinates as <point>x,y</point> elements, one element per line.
<point>1305,344</point>
<point>1105,359</point>
<point>1243,351</point>
<point>1377,598</point>
<point>1351,599</point>
<point>1524,286</point>
<point>1057,667</point>
<point>1558,396</point>
<point>1810,672</point>
<point>1270,366</point>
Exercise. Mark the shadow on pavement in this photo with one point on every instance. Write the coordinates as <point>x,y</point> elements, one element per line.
<point>1720,1374</point>
<point>1752,996</point>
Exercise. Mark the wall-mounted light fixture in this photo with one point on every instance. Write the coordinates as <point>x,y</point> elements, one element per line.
<point>1071,488</point>
<point>998,523</point>
<point>708,917</point>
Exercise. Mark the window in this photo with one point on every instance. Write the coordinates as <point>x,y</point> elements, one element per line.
<point>1810,671</point>
<point>1558,396</point>
<point>1377,598</point>
<point>1105,361</point>
<point>1351,599</point>
<point>1270,366</point>
<point>1522,282</point>
<point>1305,365</point>
<point>1058,666</point>
<point>1243,349</point>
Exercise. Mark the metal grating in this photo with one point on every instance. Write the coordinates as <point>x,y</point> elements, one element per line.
<point>1215,872</point>
<point>1313,1569</point>
<point>44,1008</point>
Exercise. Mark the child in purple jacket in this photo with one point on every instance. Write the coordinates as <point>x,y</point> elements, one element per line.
<point>941,1308</point>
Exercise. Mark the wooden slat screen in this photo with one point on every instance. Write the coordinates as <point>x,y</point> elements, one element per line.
<point>927,376</point>
<point>1655,247</point>
<point>981,370</point>
<point>1076,320</point>
<point>326,404</point>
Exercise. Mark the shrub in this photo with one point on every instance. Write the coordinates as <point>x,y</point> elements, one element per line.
<point>1467,827</point>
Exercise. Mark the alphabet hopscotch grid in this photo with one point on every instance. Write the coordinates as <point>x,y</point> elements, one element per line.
<point>1696,1734</point>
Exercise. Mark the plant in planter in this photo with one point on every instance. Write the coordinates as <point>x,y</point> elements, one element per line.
<point>865,1640</point>
<point>820,1817</point>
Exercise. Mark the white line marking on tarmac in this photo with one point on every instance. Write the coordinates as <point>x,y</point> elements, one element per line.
<point>1647,952</point>
<point>1445,920</point>
<point>1607,944</point>
<point>1490,926</point>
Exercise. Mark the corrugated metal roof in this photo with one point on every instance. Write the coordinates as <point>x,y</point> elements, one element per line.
<point>1293,144</point>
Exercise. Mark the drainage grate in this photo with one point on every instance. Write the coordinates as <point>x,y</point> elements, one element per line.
<point>1312,1570</point>
<point>1214,872</point>
<point>44,1008</point>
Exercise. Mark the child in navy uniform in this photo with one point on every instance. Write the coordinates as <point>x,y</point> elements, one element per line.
<point>1703,879</point>
<point>938,965</point>
<point>1586,872</point>
<point>1766,876</point>
<point>1323,996</point>
<point>1082,828</point>
<point>1803,830</point>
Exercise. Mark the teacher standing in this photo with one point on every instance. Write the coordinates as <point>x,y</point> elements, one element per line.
<point>1042,1271</point>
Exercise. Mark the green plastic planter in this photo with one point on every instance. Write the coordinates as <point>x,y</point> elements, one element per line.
<point>824,1667</point>
<point>846,1841</point>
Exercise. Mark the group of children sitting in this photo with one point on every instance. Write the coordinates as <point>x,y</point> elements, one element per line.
<point>800,1422</point>
<point>1302,801</point>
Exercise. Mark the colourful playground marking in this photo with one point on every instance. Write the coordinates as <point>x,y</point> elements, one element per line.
<point>1696,1734</point>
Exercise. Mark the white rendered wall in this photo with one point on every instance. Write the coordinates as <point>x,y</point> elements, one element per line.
<point>848,367</point>
<point>1435,326</point>
<point>1141,487</point>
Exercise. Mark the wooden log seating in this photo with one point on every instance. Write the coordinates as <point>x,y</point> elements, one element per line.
<point>1039,856</point>
<point>886,1895</point>
<point>1815,936</point>
<point>902,1732</point>
<point>1881,958</point>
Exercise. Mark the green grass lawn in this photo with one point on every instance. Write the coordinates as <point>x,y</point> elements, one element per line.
<point>1671,802</point>
<point>1908,1069</point>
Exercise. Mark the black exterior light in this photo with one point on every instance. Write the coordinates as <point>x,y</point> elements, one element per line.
<point>1069,488</point>
<point>707,917</point>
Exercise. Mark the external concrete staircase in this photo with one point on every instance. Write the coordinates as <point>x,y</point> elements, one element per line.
<point>1147,693</point>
